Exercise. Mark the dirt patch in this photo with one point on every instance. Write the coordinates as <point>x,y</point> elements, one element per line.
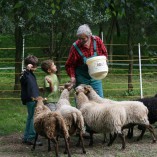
<point>11,146</point>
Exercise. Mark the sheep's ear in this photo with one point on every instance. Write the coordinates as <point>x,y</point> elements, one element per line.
<point>33,99</point>
<point>76,92</point>
<point>61,88</point>
<point>86,91</point>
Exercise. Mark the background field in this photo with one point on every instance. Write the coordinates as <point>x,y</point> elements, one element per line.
<point>115,85</point>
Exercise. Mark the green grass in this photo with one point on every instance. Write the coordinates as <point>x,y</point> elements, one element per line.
<point>12,117</point>
<point>13,113</point>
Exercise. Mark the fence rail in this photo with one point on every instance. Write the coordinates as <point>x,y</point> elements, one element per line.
<point>115,84</point>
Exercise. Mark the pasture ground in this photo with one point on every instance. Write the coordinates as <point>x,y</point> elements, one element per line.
<point>11,146</point>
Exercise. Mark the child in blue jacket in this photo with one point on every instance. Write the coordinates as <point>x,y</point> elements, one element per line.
<point>29,89</point>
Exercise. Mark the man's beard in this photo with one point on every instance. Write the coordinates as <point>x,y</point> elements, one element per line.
<point>86,42</point>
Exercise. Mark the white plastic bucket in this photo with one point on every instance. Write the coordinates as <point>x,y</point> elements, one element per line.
<point>97,67</point>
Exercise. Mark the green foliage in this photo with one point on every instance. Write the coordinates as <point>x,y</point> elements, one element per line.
<point>131,93</point>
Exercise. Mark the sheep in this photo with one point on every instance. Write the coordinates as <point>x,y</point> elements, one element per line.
<point>151,104</point>
<point>133,108</point>
<point>101,118</point>
<point>50,125</point>
<point>73,117</point>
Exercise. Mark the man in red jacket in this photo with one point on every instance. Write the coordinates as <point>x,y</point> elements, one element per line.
<point>85,47</point>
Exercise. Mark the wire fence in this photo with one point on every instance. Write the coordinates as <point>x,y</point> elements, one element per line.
<point>115,85</point>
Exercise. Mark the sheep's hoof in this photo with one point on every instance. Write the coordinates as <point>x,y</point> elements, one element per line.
<point>84,152</point>
<point>65,152</point>
<point>154,141</point>
<point>123,148</point>
<point>139,138</point>
<point>129,136</point>
<point>91,144</point>
<point>109,144</point>
<point>104,142</point>
<point>49,150</point>
<point>77,144</point>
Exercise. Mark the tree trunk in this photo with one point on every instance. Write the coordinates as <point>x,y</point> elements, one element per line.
<point>130,68</point>
<point>100,29</point>
<point>18,56</point>
<point>18,44</point>
<point>130,49</point>
<point>110,37</point>
<point>52,42</point>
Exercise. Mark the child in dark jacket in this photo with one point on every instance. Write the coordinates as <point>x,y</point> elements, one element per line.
<point>29,89</point>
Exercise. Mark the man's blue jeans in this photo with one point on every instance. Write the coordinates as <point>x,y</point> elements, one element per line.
<point>29,130</point>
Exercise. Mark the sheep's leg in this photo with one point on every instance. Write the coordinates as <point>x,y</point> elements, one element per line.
<point>143,128</point>
<point>34,145</point>
<point>78,142</point>
<point>105,138</point>
<point>82,142</point>
<point>151,130</point>
<point>112,138</point>
<point>91,139</point>
<point>57,137</point>
<point>121,135</point>
<point>49,145</point>
<point>67,141</point>
<point>56,146</point>
<point>130,132</point>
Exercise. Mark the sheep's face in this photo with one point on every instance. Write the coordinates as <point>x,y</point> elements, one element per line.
<point>68,86</point>
<point>143,121</point>
<point>88,89</point>
<point>39,98</point>
<point>79,89</point>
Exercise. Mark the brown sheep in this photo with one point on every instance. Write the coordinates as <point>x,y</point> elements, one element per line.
<point>50,125</point>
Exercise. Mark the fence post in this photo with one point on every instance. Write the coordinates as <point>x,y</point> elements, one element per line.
<point>102,36</point>
<point>23,52</point>
<point>139,53</point>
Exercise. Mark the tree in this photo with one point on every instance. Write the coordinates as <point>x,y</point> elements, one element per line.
<point>136,16</point>
<point>59,19</point>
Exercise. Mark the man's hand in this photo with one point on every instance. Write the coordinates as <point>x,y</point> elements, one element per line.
<point>73,80</point>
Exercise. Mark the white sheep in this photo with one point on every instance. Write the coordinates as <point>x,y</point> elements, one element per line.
<point>101,118</point>
<point>151,104</point>
<point>72,116</point>
<point>135,110</point>
<point>50,125</point>
<point>107,118</point>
